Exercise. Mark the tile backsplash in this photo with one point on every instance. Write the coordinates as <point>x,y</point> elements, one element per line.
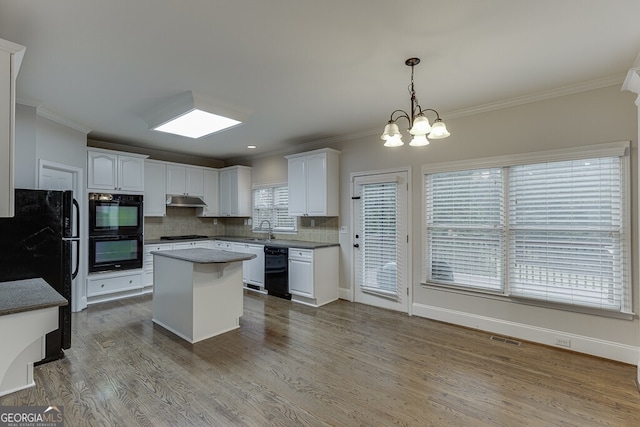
<point>183,221</point>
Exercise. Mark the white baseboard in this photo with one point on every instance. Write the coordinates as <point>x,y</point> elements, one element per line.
<point>345,294</point>
<point>579,343</point>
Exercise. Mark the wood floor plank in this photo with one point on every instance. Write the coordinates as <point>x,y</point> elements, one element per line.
<point>342,364</point>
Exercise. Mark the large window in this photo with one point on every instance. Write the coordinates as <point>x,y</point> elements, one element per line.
<point>272,204</point>
<point>554,231</point>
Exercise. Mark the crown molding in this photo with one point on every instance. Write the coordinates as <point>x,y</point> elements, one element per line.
<point>47,114</point>
<point>538,96</point>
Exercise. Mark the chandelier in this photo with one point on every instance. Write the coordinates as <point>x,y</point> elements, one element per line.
<point>419,126</point>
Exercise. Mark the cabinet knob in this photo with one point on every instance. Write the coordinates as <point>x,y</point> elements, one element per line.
<point>356,245</point>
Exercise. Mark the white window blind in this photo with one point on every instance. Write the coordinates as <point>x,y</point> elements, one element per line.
<point>560,236</point>
<point>566,232</point>
<point>378,254</point>
<point>271,204</point>
<point>465,228</point>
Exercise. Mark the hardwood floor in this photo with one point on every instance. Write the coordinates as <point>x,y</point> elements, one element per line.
<point>342,364</point>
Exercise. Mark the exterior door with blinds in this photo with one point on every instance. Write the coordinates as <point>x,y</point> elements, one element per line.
<point>380,208</point>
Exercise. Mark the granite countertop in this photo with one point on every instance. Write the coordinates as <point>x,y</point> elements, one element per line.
<point>26,295</point>
<point>281,243</point>
<point>204,256</point>
<point>278,243</point>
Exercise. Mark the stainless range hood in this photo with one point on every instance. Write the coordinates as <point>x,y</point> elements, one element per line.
<point>185,201</point>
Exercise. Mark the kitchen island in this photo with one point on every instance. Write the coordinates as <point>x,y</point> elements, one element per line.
<point>29,309</point>
<point>197,293</point>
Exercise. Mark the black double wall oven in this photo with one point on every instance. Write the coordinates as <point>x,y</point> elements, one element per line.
<point>116,223</point>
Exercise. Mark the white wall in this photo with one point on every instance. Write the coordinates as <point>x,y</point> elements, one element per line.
<point>38,138</point>
<point>592,117</point>
<point>25,152</point>
<point>60,144</point>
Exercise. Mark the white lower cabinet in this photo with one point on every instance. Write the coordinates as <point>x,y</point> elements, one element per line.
<point>253,269</point>
<point>313,275</point>
<point>114,285</point>
<point>147,265</point>
<point>301,272</point>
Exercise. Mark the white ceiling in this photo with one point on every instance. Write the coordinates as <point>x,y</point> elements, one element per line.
<point>306,71</point>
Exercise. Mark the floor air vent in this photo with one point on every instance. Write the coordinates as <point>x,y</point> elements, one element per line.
<point>505,340</point>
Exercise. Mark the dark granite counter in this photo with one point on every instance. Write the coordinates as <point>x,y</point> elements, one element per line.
<point>204,256</point>
<point>279,243</point>
<point>26,295</point>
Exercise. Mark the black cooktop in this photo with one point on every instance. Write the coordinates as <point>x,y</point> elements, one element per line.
<point>185,237</point>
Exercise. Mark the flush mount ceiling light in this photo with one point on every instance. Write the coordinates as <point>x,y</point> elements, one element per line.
<point>419,126</point>
<point>194,116</point>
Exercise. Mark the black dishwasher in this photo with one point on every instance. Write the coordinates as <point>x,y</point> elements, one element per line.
<point>276,271</point>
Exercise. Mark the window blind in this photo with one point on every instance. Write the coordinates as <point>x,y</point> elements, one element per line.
<point>566,232</point>
<point>378,254</point>
<point>465,228</point>
<point>271,204</point>
<point>554,230</point>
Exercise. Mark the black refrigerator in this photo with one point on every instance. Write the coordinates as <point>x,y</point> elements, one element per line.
<point>41,240</point>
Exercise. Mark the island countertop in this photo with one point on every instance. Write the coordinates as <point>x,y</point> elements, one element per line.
<point>26,295</point>
<point>205,256</point>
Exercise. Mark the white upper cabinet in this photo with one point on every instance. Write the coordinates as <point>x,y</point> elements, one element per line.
<point>11,55</point>
<point>185,180</point>
<point>313,179</point>
<point>211,194</point>
<point>235,191</point>
<point>111,170</point>
<point>155,203</point>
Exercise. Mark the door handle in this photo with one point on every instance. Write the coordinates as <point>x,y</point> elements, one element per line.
<point>356,245</point>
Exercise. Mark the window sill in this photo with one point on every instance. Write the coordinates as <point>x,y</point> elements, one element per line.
<point>514,300</point>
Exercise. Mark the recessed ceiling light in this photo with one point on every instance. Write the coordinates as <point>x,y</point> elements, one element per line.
<point>194,116</point>
<point>251,147</point>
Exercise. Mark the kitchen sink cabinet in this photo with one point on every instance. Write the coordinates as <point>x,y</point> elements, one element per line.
<point>313,179</point>
<point>155,193</point>
<point>111,170</point>
<point>313,275</point>
<point>11,55</point>
<point>210,194</point>
<point>253,269</point>
<point>185,180</point>
<point>235,191</point>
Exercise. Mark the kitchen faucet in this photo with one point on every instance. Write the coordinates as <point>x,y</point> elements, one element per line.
<point>269,223</point>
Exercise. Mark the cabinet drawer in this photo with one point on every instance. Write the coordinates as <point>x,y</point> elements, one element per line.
<point>301,254</point>
<point>106,285</point>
